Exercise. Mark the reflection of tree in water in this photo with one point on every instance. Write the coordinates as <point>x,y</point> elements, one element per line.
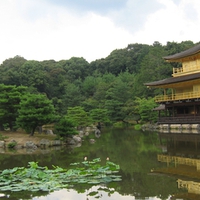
<point>134,151</point>
<point>143,185</point>
<point>23,195</point>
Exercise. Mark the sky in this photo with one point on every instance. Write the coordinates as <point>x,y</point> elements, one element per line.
<point>92,29</point>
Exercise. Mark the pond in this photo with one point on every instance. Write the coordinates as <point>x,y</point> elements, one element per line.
<point>150,166</point>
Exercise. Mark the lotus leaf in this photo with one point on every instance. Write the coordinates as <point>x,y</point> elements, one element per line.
<point>37,178</point>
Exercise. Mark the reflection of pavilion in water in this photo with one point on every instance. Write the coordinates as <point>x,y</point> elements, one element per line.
<point>182,157</point>
<point>181,140</point>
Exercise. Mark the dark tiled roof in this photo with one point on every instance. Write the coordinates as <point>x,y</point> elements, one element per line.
<point>173,80</point>
<point>192,51</point>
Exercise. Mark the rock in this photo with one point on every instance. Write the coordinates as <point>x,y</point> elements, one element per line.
<point>81,134</point>
<point>86,133</point>
<point>18,146</point>
<point>71,142</point>
<point>30,145</point>
<point>77,145</point>
<point>77,139</point>
<point>44,143</point>
<point>97,133</point>
<point>92,141</point>
<point>90,129</point>
<point>2,144</point>
<point>56,143</point>
<point>49,132</point>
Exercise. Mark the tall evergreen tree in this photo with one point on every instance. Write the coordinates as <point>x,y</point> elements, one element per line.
<point>10,97</point>
<point>35,110</point>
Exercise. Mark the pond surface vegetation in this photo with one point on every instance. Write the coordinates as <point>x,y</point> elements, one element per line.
<point>150,167</point>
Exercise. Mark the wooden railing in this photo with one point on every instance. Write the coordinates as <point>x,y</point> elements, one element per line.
<point>179,96</point>
<point>191,186</point>
<point>179,160</point>
<point>179,71</point>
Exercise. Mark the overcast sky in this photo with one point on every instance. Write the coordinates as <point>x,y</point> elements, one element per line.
<point>92,29</point>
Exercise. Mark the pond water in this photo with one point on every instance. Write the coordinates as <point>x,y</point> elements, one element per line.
<point>136,152</point>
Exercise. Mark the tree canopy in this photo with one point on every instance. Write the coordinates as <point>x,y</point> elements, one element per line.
<point>35,110</point>
<point>10,97</point>
<point>79,89</point>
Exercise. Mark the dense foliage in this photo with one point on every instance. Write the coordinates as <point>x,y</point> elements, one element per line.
<point>35,110</point>
<point>10,97</point>
<point>111,87</point>
<point>65,127</point>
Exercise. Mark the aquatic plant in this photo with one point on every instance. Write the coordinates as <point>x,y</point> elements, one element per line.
<point>37,178</point>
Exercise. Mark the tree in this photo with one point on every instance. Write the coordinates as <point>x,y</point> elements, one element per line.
<point>10,97</point>
<point>116,61</point>
<point>57,81</point>
<point>89,86</point>
<point>32,73</point>
<point>116,97</point>
<point>76,68</point>
<point>9,70</point>
<point>103,85</point>
<point>35,110</point>
<point>65,127</point>
<point>72,96</point>
<point>99,115</point>
<point>144,108</point>
<point>79,116</point>
<point>152,68</point>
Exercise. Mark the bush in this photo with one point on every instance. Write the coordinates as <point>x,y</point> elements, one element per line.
<point>65,127</point>
<point>137,127</point>
<point>12,145</point>
<point>119,124</point>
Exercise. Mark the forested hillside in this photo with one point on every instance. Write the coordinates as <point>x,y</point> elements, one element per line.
<point>113,84</point>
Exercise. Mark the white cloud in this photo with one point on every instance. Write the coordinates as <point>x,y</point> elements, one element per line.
<point>74,195</point>
<point>170,24</point>
<point>40,30</point>
<point>57,33</point>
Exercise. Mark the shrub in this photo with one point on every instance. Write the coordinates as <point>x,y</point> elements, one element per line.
<point>12,145</point>
<point>65,127</point>
<point>137,127</point>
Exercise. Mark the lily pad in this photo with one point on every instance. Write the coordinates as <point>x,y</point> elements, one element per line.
<point>37,178</point>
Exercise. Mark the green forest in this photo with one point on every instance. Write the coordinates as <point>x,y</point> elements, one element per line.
<point>109,90</point>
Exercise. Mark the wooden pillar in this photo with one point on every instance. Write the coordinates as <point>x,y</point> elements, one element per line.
<point>172,93</point>
<point>165,94</point>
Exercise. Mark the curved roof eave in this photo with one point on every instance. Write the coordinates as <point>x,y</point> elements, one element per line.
<point>173,80</point>
<point>189,52</point>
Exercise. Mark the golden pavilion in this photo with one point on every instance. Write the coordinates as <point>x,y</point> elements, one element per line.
<point>180,100</point>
